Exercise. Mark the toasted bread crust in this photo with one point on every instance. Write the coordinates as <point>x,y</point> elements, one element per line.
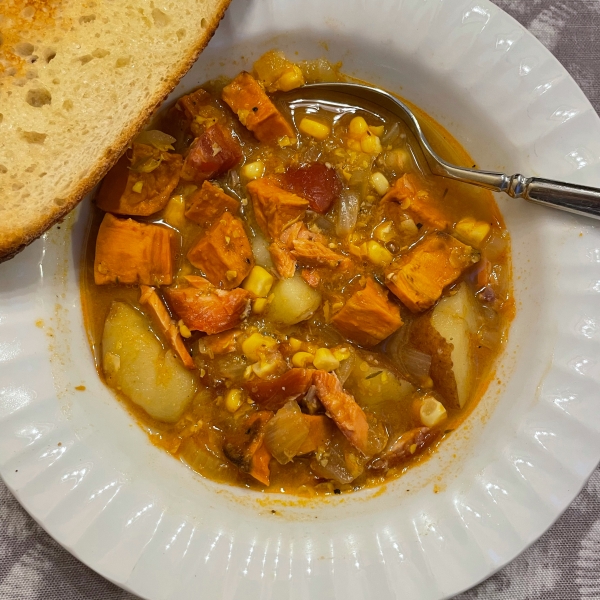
<point>13,242</point>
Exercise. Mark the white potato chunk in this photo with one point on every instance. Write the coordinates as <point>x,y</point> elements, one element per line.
<point>455,319</point>
<point>136,364</point>
<point>293,301</point>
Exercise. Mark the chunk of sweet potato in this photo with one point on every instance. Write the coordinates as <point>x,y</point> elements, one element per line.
<point>411,196</point>
<point>221,343</point>
<point>210,310</point>
<point>129,252</point>
<point>283,260</point>
<point>193,103</point>
<point>209,203</point>
<point>254,109</point>
<point>316,182</point>
<point>128,189</point>
<point>246,448</point>
<point>162,319</point>
<point>274,207</point>
<point>224,252</point>
<point>272,394</point>
<point>343,409</point>
<point>212,153</point>
<point>369,316</point>
<point>419,276</point>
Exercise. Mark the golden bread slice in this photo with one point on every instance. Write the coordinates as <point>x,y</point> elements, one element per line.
<point>78,79</point>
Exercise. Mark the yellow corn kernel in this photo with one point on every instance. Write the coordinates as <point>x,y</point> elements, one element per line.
<point>355,250</point>
<point>264,367</point>
<point>253,170</point>
<point>302,359</point>
<point>358,126</point>
<point>409,226</point>
<point>472,231</point>
<point>258,282</point>
<point>174,213</point>
<point>290,80</point>
<point>370,144</point>
<point>325,360</point>
<point>256,345</point>
<point>315,129</point>
<point>184,329</point>
<point>380,183</point>
<point>377,130</point>
<point>234,399</point>
<point>284,141</point>
<point>231,275</point>
<point>137,187</point>
<point>248,372</point>
<point>243,115</point>
<point>384,232</point>
<point>341,353</point>
<point>259,305</point>
<point>377,254</point>
<point>295,344</point>
<point>432,412</point>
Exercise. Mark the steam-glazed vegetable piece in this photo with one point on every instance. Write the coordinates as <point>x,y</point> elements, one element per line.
<point>338,309</point>
<point>224,253</point>
<point>140,185</point>
<point>208,203</point>
<point>419,277</point>
<point>255,111</point>
<point>369,316</point>
<point>129,252</point>
<point>136,364</point>
<point>274,207</point>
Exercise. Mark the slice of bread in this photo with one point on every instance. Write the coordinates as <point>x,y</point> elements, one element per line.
<point>78,79</point>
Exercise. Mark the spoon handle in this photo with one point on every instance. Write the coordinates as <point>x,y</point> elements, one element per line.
<point>577,199</point>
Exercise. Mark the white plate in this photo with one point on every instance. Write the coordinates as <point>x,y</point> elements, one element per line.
<point>79,465</point>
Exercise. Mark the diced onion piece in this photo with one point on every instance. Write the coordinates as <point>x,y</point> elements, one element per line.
<point>347,214</point>
<point>260,249</point>
<point>158,139</point>
<point>314,128</point>
<point>409,226</point>
<point>286,432</point>
<point>432,412</point>
<point>416,363</point>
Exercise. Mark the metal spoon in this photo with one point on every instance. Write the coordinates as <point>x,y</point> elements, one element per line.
<point>569,197</point>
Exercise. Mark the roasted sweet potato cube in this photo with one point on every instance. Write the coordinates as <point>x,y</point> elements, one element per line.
<point>272,394</point>
<point>419,276</point>
<point>212,153</point>
<point>193,104</point>
<point>210,310</point>
<point>140,186</point>
<point>248,100</point>
<point>224,253</point>
<point>274,207</point>
<point>221,343</point>
<point>209,203</point>
<point>343,409</point>
<point>165,324</point>
<point>129,252</point>
<point>410,195</point>
<point>369,316</point>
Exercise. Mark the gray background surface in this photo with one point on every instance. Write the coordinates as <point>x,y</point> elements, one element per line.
<point>563,565</point>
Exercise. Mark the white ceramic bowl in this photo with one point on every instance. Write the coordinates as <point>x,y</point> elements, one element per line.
<point>82,469</point>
